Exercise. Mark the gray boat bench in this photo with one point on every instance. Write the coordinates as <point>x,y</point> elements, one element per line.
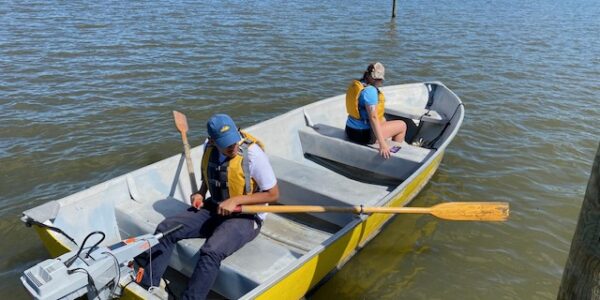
<point>416,113</point>
<point>331,143</point>
<point>302,184</point>
<point>240,272</point>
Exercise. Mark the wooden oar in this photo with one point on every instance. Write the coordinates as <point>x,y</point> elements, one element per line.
<point>182,126</point>
<point>458,211</point>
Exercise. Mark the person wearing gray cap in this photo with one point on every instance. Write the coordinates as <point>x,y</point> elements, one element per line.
<point>365,105</point>
<point>236,171</point>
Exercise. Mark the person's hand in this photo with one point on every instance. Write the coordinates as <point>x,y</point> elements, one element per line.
<point>384,150</point>
<point>227,207</point>
<point>197,200</point>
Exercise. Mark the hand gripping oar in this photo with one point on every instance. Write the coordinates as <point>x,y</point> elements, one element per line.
<point>457,211</point>
<point>182,126</point>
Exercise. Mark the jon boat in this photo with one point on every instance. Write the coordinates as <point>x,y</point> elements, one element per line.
<point>315,165</point>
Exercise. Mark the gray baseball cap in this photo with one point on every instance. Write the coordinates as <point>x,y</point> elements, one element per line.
<point>378,71</point>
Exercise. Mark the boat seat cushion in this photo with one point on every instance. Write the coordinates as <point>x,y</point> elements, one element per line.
<point>239,273</point>
<point>331,143</point>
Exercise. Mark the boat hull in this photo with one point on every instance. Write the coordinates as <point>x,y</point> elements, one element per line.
<point>314,164</point>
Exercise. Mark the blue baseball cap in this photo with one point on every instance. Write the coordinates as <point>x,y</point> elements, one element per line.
<point>222,130</point>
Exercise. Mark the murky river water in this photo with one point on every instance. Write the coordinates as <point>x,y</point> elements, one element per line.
<point>87,87</point>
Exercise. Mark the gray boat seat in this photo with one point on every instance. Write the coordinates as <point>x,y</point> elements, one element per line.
<point>240,272</point>
<point>301,184</point>
<point>415,113</point>
<point>331,143</point>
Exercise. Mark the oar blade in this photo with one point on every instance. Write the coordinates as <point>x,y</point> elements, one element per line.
<point>472,211</point>
<point>180,121</point>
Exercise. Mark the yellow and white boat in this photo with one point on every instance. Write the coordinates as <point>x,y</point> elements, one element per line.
<point>314,165</point>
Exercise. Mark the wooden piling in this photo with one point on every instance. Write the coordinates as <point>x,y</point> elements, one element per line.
<point>581,278</point>
<point>393,9</point>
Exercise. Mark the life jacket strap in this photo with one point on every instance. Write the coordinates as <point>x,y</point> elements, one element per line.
<point>246,167</point>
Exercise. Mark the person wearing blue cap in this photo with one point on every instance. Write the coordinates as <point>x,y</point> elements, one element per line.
<point>236,171</point>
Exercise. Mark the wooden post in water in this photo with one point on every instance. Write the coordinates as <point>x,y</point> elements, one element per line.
<point>393,9</point>
<point>581,278</point>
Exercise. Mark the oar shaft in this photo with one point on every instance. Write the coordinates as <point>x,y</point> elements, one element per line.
<point>188,161</point>
<point>181,125</point>
<point>458,211</point>
<point>335,209</point>
<point>282,209</point>
<point>397,210</point>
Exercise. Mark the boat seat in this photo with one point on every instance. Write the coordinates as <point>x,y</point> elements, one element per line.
<point>240,272</point>
<point>331,143</point>
<point>415,113</point>
<point>301,184</point>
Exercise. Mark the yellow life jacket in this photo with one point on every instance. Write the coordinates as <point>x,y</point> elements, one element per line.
<point>352,95</point>
<point>231,177</point>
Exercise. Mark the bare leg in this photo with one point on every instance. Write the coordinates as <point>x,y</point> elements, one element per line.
<point>395,129</point>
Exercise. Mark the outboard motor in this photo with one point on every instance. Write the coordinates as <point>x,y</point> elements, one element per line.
<point>97,272</point>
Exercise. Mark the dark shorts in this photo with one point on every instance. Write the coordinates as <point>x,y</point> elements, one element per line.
<point>360,136</point>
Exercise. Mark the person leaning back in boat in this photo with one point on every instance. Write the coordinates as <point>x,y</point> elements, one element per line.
<point>365,105</point>
<point>236,171</point>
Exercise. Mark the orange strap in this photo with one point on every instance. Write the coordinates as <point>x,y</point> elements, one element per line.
<point>139,275</point>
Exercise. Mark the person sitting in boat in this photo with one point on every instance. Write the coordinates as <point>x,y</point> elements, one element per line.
<point>236,171</point>
<point>365,105</point>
